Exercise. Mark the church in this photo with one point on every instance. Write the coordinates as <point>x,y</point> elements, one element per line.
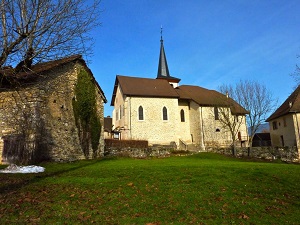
<point>163,112</point>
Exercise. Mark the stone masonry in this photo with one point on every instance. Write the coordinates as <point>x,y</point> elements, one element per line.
<point>41,111</point>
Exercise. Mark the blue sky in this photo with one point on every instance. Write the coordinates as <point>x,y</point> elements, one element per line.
<point>207,43</point>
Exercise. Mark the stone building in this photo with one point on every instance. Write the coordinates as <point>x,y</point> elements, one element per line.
<point>285,122</point>
<point>40,116</point>
<point>165,113</point>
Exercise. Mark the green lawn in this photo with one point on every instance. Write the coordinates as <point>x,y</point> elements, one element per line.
<point>199,189</point>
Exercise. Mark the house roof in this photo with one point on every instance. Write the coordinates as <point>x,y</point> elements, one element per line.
<point>206,97</point>
<point>9,76</point>
<point>290,105</point>
<point>143,87</point>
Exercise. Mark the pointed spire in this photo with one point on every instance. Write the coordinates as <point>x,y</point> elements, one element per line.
<point>163,70</point>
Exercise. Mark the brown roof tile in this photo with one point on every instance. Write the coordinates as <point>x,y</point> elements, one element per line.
<point>205,97</point>
<point>36,70</point>
<point>144,87</point>
<point>290,105</point>
<point>39,68</point>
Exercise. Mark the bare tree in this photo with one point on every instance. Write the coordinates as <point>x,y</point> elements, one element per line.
<point>41,30</point>
<point>231,117</point>
<point>255,98</point>
<point>296,75</point>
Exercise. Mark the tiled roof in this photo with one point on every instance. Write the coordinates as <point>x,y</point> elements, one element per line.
<point>205,97</point>
<point>144,87</point>
<point>35,70</point>
<point>291,105</point>
<point>30,75</point>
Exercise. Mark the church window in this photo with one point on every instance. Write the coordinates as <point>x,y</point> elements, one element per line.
<point>120,111</point>
<point>141,113</point>
<point>123,110</point>
<point>165,113</point>
<point>117,115</point>
<point>216,111</point>
<point>182,115</point>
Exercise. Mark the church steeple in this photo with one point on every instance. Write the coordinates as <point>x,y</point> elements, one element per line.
<point>163,70</point>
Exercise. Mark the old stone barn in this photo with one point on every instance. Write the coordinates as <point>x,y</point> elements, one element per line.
<point>52,111</point>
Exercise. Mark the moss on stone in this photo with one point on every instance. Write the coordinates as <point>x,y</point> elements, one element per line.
<point>85,112</point>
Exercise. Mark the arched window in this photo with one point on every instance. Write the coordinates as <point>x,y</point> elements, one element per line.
<point>141,113</point>
<point>165,113</point>
<point>216,111</point>
<point>182,115</point>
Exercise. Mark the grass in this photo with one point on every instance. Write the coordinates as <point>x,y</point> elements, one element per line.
<point>204,188</point>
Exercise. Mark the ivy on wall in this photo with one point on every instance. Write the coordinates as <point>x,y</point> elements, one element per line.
<point>85,112</point>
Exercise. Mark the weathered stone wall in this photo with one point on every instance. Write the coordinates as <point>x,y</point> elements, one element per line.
<point>216,134</point>
<point>153,128</point>
<point>288,154</point>
<point>43,112</point>
<point>158,151</point>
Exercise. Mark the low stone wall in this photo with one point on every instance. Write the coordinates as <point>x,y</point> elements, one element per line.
<point>288,154</point>
<point>158,151</point>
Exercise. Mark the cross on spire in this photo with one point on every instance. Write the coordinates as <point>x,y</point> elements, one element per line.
<point>163,70</point>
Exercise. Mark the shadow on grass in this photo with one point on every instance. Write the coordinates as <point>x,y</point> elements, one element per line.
<point>17,181</point>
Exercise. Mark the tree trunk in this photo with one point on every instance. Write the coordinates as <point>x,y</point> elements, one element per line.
<point>233,150</point>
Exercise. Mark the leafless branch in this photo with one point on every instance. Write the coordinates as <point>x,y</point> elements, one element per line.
<point>41,30</point>
<point>255,98</point>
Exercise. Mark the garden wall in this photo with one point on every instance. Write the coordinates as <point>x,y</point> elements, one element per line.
<point>135,149</point>
<point>288,154</point>
<point>117,148</point>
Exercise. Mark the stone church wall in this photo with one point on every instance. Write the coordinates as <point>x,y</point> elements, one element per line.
<point>161,131</point>
<point>184,131</point>
<point>195,118</point>
<point>42,112</point>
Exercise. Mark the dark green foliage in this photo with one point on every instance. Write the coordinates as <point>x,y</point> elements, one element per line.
<point>85,112</point>
<point>85,97</point>
<point>95,131</point>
